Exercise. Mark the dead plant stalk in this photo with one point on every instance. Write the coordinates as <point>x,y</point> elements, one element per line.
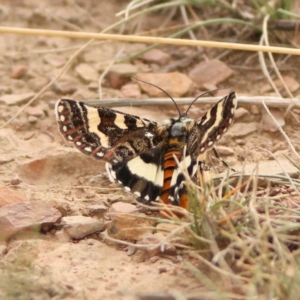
<point>147,39</point>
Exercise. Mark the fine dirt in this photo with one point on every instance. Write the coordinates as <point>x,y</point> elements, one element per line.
<point>35,161</point>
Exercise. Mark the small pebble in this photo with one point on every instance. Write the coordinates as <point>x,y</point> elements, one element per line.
<point>18,71</point>
<point>162,270</point>
<point>290,189</point>
<point>240,142</point>
<point>34,111</point>
<point>154,259</point>
<point>32,119</point>
<point>15,181</point>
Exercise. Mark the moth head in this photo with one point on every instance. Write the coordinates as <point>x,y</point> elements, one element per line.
<point>181,126</point>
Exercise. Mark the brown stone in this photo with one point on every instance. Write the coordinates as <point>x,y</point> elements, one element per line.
<point>65,87</point>
<point>93,86</point>
<point>254,109</point>
<point>240,142</point>
<point>242,129</point>
<point>97,210</point>
<point>122,207</point>
<point>120,74</point>
<point>175,83</point>
<point>26,216</point>
<point>35,111</point>
<point>78,227</point>
<point>32,119</point>
<point>267,121</point>
<point>15,181</point>
<point>57,166</point>
<point>18,71</point>
<point>270,167</point>
<point>240,112</point>
<point>157,56</point>
<point>87,73</point>
<point>129,227</point>
<point>16,99</point>
<point>127,70</point>
<point>225,151</point>
<point>55,60</point>
<point>156,245</point>
<point>131,90</point>
<point>212,72</point>
<point>291,83</point>
<point>9,196</point>
<point>210,87</point>
<point>116,80</point>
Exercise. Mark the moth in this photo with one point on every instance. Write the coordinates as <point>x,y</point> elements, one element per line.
<point>146,158</point>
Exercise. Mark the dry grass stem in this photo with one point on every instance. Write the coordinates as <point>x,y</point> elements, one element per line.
<point>266,39</point>
<point>147,39</point>
<point>268,100</point>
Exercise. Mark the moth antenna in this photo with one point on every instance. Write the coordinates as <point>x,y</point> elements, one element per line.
<point>162,91</point>
<point>208,92</point>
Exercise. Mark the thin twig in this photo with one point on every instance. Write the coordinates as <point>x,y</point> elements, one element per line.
<point>147,39</point>
<point>265,69</point>
<point>187,22</point>
<point>265,38</point>
<point>121,102</point>
<point>265,34</point>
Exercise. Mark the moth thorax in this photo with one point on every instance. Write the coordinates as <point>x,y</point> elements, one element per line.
<point>181,127</point>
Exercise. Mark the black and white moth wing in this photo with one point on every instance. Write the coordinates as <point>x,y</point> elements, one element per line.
<point>187,165</point>
<point>128,143</point>
<point>143,175</point>
<point>214,123</point>
<point>102,132</point>
<point>206,132</point>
